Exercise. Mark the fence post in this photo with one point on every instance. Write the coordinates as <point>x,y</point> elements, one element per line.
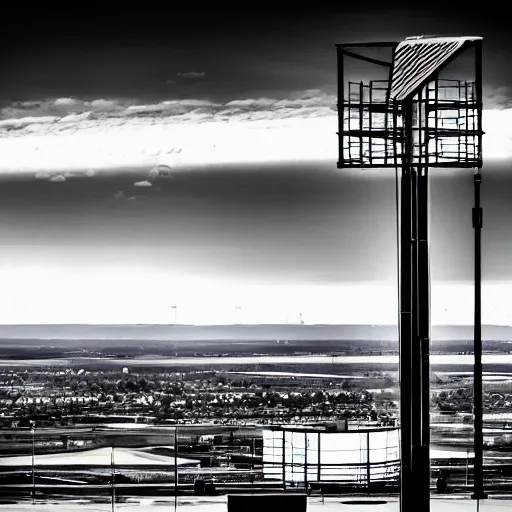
<point>368,472</point>
<point>306,446</point>
<point>318,456</point>
<point>284,463</point>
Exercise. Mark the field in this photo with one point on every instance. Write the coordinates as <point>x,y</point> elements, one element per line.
<point>105,413</point>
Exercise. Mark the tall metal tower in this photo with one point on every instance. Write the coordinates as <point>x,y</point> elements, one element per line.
<point>407,115</point>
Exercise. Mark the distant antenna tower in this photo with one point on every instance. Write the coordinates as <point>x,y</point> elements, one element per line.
<point>409,117</point>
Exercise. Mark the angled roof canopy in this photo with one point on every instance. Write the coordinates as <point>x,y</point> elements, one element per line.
<point>418,58</point>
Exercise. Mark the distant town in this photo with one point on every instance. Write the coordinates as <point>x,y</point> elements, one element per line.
<point>64,403</point>
<point>55,397</point>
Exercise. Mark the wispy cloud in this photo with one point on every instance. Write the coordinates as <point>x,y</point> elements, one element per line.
<point>191,74</point>
<point>70,134</point>
<point>498,98</point>
<point>63,114</point>
<point>59,178</point>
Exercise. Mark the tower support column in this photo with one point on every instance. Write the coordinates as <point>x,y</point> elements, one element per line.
<point>414,328</point>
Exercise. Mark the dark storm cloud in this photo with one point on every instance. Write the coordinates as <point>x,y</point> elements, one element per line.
<point>297,224</point>
<point>91,53</point>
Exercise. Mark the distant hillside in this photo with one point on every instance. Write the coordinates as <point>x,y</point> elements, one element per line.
<point>176,333</point>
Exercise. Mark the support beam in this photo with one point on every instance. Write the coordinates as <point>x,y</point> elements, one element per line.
<point>368,465</point>
<point>414,328</point>
<point>377,62</point>
<point>422,356</point>
<point>478,492</point>
<point>406,317</point>
<point>406,483</point>
<point>341,110</point>
<point>284,463</point>
<point>176,475</point>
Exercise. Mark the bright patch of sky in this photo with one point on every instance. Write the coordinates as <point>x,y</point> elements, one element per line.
<point>68,134</point>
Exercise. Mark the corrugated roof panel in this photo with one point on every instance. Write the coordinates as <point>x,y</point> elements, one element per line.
<point>417,58</point>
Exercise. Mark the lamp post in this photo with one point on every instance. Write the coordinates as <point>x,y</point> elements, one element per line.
<point>113,475</point>
<point>175,468</point>
<point>478,491</point>
<point>33,432</point>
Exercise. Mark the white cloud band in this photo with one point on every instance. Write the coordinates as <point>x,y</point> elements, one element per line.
<point>69,134</point>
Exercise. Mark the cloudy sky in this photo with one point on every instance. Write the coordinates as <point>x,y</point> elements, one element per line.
<point>255,223</point>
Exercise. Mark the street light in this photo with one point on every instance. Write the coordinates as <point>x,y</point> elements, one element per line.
<point>112,479</point>
<point>33,432</point>
<point>175,467</point>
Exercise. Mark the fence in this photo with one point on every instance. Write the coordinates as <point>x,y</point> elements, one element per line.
<point>359,458</point>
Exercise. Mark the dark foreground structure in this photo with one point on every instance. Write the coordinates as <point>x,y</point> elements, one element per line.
<point>267,502</point>
<point>414,116</point>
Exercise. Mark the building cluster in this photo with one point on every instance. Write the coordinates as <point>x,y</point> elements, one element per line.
<point>67,396</point>
<point>460,399</point>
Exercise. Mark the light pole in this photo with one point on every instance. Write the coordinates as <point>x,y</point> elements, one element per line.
<point>33,432</point>
<point>113,473</point>
<point>175,468</point>
<point>175,310</point>
<point>478,491</point>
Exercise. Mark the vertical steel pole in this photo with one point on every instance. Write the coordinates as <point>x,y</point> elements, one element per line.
<point>479,97</point>
<point>318,458</point>
<point>284,462</point>
<point>423,342</point>
<point>415,317</point>
<point>368,467</point>
<point>415,391</point>
<point>175,468</point>
<point>341,101</point>
<point>406,492</point>
<point>33,431</point>
<point>478,492</point>
<point>306,461</point>
<point>113,476</point>
<point>423,356</point>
